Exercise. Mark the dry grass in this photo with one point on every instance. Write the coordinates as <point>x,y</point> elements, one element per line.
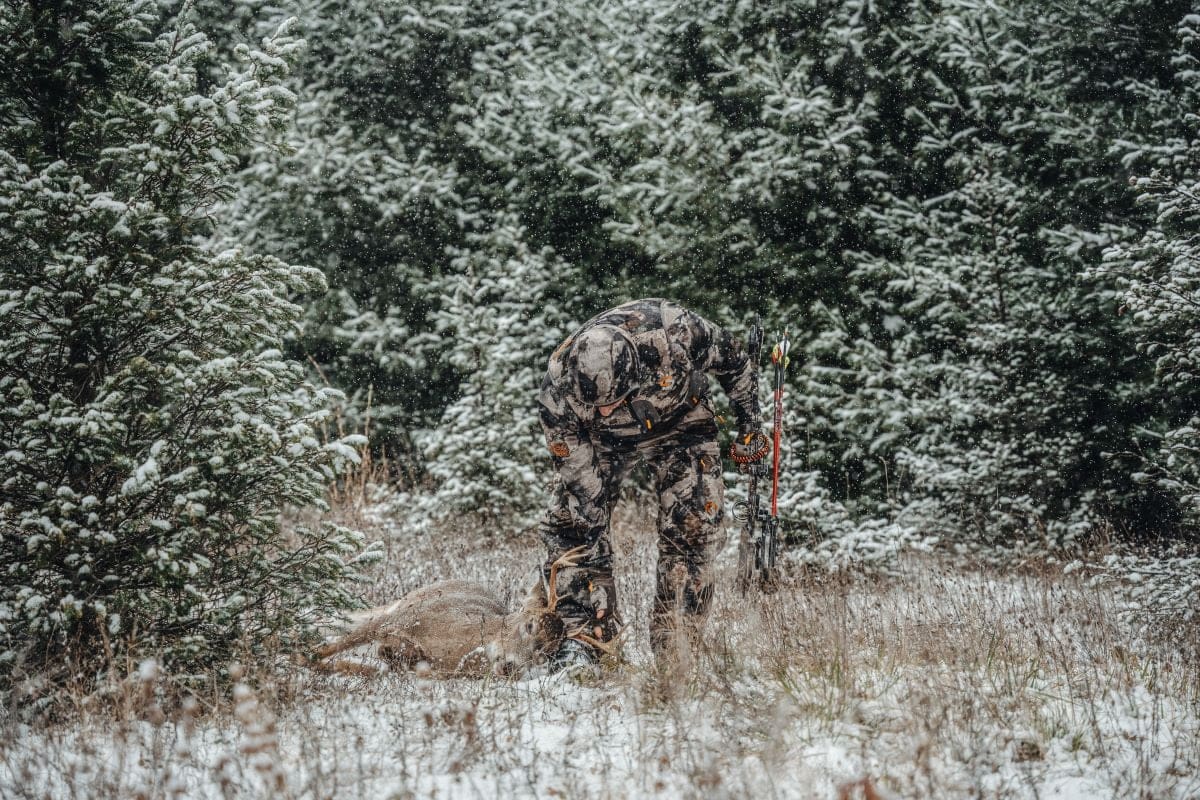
<point>945,681</point>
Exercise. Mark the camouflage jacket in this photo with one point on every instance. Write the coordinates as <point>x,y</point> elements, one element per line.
<point>677,349</point>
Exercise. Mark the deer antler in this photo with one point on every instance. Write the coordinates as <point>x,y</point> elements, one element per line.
<point>609,647</point>
<point>567,559</point>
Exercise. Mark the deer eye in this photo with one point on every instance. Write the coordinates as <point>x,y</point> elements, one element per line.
<point>530,627</point>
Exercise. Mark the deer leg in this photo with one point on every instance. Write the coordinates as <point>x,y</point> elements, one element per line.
<point>326,650</point>
<point>366,633</point>
<point>344,667</point>
<point>401,651</point>
<point>395,649</point>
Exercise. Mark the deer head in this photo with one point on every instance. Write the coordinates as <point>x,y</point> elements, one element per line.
<point>536,631</point>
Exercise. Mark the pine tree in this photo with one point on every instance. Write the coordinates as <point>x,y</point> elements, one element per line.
<point>370,191</point>
<point>389,189</point>
<point>979,376</point>
<point>1159,275</point>
<point>983,359</point>
<point>151,430</point>
<point>917,190</point>
<point>486,458</point>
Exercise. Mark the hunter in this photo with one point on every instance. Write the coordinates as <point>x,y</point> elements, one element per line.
<point>632,384</point>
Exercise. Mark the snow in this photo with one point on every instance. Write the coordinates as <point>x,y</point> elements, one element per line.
<point>979,416</point>
<point>944,681</point>
<point>551,737</point>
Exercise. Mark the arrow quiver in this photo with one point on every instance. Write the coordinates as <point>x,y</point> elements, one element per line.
<point>758,548</point>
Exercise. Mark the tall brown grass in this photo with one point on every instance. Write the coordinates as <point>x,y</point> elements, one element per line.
<point>948,679</point>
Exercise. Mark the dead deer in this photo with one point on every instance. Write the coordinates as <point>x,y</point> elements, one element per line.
<point>459,628</point>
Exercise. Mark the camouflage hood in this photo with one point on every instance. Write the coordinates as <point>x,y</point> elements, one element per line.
<point>603,364</point>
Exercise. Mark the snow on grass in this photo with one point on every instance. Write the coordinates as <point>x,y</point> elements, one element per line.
<point>944,681</point>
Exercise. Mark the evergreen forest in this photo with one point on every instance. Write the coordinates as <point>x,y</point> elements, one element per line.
<point>246,244</point>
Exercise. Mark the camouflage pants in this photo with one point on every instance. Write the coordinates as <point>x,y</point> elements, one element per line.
<point>685,464</point>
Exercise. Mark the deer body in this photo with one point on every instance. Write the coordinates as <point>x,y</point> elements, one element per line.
<point>457,628</point>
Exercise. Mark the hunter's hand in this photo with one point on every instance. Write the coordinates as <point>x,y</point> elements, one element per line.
<point>749,447</point>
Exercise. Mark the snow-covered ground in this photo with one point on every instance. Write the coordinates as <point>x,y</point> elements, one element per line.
<point>943,681</point>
